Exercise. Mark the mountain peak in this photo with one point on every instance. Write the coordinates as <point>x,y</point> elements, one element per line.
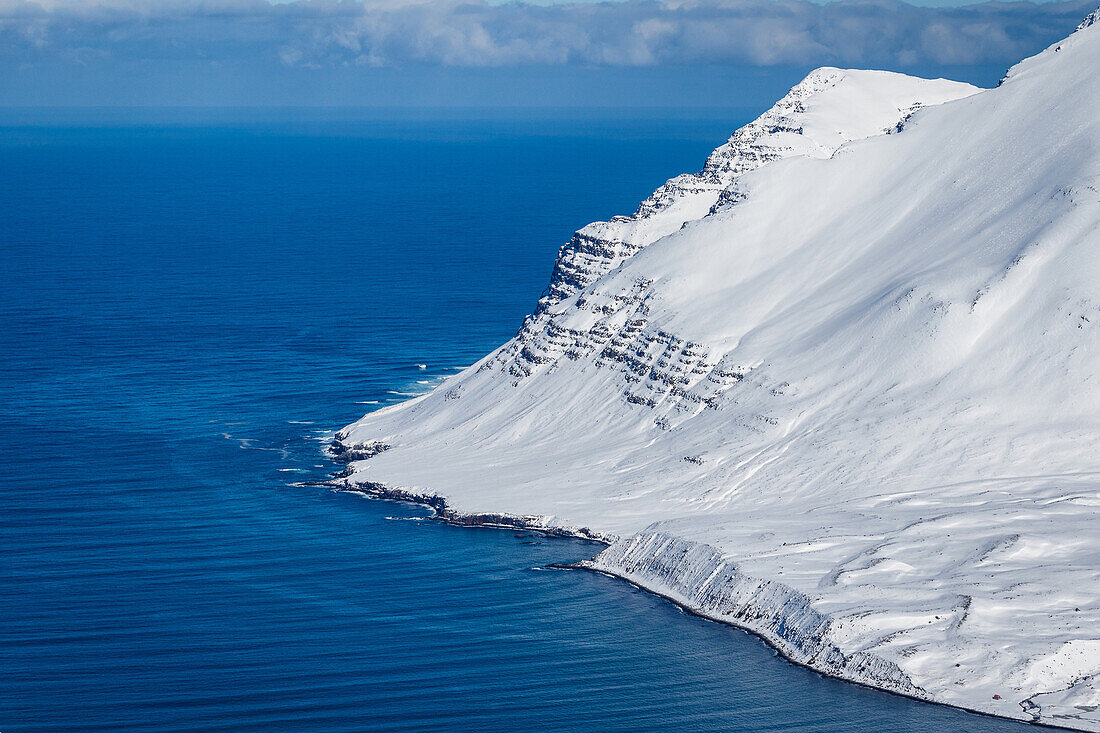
<point>1093,18</point>
<point>828,108</point>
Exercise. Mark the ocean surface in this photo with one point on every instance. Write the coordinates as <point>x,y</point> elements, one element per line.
<point>192,304</point>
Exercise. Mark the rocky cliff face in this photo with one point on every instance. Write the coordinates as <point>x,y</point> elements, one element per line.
<point>849,367</point>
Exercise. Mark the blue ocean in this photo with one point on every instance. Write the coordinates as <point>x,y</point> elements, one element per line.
<point>192,303</point>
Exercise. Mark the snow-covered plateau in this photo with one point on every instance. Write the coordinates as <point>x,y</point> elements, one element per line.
<point>840,388</point>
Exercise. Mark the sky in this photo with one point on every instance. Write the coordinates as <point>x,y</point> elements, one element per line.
<point>472,53</point>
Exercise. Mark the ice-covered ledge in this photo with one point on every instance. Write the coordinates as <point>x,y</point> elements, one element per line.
<point>701,579</point>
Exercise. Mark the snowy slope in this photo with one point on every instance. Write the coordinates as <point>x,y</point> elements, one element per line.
<point>853,404</point>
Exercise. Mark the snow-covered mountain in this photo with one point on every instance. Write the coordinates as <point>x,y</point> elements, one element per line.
<point>841,387</point>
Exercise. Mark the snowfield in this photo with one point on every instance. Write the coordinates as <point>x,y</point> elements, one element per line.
<point>841,387</point>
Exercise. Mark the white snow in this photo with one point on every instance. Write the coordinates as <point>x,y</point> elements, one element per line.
<point>853,403</point>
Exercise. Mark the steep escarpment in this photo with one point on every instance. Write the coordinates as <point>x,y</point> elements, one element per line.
<point>862,389</point>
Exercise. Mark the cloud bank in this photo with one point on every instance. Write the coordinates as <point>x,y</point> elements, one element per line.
<point>471,33</point>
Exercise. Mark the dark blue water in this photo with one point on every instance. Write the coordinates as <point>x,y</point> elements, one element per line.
<point>188,310</point>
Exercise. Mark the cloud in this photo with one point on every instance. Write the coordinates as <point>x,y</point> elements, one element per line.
<point>473,33</point>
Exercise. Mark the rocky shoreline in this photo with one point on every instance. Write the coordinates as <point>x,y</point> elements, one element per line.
<point>692,575</point>
<point>442,513</point>
<point>671,567</point>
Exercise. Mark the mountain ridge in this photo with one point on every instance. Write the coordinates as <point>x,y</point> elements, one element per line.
<point>779,132</point>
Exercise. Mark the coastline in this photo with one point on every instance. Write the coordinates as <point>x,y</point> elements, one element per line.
<point>444,514</point>
<point>786,657</point>
<point>748,619</point>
